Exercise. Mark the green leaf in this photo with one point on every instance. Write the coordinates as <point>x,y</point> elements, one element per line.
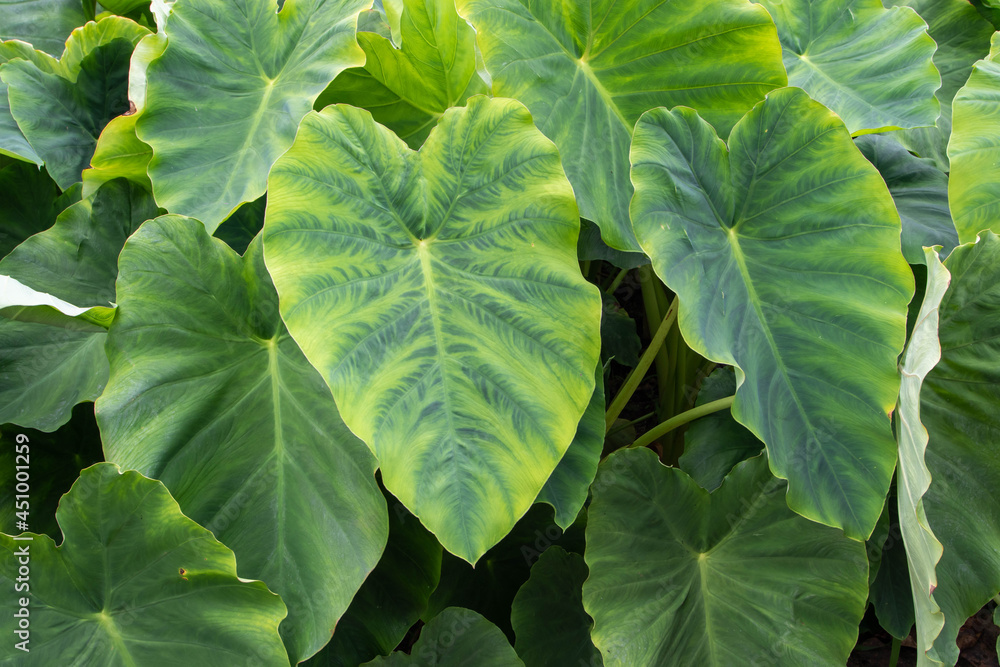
<point>871,65</point>
<point>119,154</point>
<point>923,550</point>
<point>890,592</point>
<point>409,88</point>
<point>588,70</point>
<point>920,192</point>
<point>567,488</point>
<point>45,370</point>
<point>619,339</point>
<point>30,204</point>
<point>202,367</point>
<point>45,24</point>
<point>456,638</point>
<point>241,227</point>
<point>122,7</point>
<point>974,186</point>
<point>224,99</point>
<point>79,94</point>
<point>440,296</point>
<point>548,617</point>
<point>784,252</point>
<point>392,598</point>
<point>962,37</point>
<point>54,462</point>
<point>135,582</point>
<point>732,579</point>
<point>12,141</point>
<point>714,444</point>
<point>959,407</point>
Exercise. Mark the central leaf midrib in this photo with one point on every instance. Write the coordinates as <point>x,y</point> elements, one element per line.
<point>779,362</point>
<point>279,449</point>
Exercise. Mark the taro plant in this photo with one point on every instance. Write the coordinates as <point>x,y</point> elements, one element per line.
<point>497,332</point>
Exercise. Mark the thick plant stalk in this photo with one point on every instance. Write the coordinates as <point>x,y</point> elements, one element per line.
<point>639,372</point>
<point>681,419</point>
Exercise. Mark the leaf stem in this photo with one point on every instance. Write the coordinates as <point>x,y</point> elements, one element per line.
<point>616,283</point>
<point>639,372</point>
<point>663,428</point>
<point>894,655</point>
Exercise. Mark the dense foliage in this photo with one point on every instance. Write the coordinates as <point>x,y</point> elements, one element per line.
<point>497,332</point>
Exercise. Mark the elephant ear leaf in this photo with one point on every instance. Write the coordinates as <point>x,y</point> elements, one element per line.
<point>871,65</point>
<point>923,550</point>
<point>135,581</point>
<point>668,587</point>
<point>587,79</point>
<point>959,406</point>
<point>439,294</point>
<point>784,252</point>
<point>61,107</point>
<point>974,183</point>
<point>212,152</point>
<point>202,367</point>
<point>409,88</point>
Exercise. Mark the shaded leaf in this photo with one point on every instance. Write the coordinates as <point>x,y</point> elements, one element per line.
<point>456,638</point>
<point>548,617</point>
<point>45,24</point>
<point>920,192</point>
<point>715,443</point>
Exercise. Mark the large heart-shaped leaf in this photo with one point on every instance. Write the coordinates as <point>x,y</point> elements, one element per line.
<point>923,550</point>
<point>209,394</point>
<point>135,582</point>
<point>871,65</point>
<point>587,69</point>
<point>79,94</point>
<point>46,369</point>
<point>959,406</point>
<point>920,192</point>
<point>548,617</point>
<point>456,638</point>
<point>407,89</point>
<point>962,38</point>
<point>736,578</point>
<point>784,252</point>
<point>440,296</point>
<point>974,186</point>
<point>45,24</point>
<point>223,100</point>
